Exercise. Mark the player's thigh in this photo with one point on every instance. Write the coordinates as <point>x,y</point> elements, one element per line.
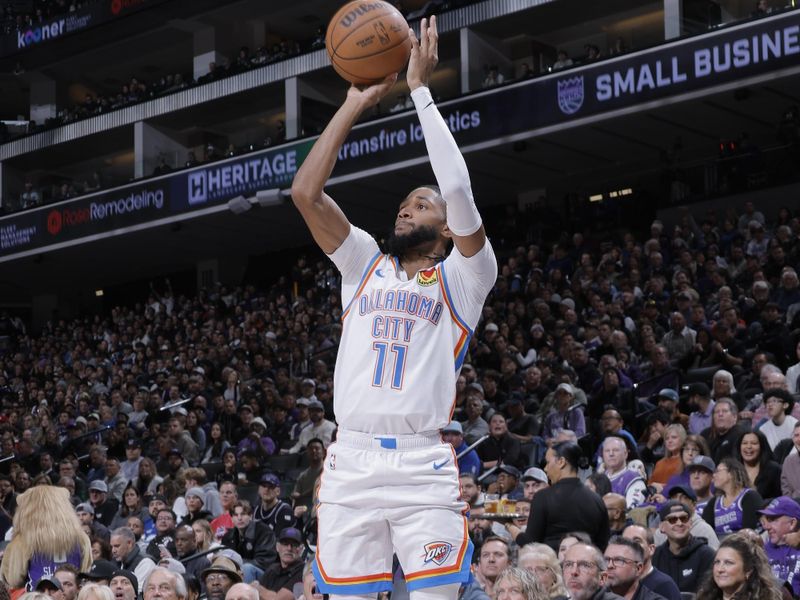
<point>354,550</point>
<point>432,545</point>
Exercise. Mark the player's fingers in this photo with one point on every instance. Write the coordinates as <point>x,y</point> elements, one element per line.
<point>423,35</point>
<point>414,41</point>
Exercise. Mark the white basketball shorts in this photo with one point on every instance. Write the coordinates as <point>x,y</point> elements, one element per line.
<point>390,494</point>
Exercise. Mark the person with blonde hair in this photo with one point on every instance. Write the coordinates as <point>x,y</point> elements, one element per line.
<point>94,591</point>
<point>542,561</point>
<point>514,583</point>
<point>47,534</point>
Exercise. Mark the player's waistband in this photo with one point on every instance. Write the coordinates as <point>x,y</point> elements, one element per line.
<point>388,441</point>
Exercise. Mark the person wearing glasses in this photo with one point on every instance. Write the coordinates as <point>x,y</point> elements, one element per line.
<point>736,504</point>
<point>584,569</point>
<point>624,564</point>
<point>683,557</point>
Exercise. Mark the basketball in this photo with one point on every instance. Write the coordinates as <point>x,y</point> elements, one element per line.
<point>368,40</point>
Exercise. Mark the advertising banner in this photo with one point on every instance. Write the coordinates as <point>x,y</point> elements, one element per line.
<point>73,22</point>
<point>491,116</point>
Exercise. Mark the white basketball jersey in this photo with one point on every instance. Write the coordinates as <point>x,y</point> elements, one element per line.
<point>404,341</point>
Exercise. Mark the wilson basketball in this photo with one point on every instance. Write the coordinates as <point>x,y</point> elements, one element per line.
<point>368,40</point>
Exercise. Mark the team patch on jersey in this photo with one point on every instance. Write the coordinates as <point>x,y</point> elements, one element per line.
<point>437,552</point>
<point>427,277</point>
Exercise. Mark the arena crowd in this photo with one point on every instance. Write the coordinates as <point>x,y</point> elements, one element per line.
<point>625,422</point>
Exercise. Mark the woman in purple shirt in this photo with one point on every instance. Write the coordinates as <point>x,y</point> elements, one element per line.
<point>735,506</point>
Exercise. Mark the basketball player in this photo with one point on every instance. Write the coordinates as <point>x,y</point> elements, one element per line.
<point>390,485</point>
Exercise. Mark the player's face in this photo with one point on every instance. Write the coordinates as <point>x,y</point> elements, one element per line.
<point>420,220</point>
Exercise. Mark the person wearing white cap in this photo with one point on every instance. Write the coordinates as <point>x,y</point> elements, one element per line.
<point>453,434</point>
<point>533,480</point>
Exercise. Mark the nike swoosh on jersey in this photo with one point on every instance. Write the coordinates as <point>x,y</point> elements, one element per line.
<point>438,466</point>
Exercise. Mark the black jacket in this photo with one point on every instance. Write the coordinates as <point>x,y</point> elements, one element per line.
<point>563,507</point>
<point>689,566</point>
<point>132,560</point>
<point>256,546</point>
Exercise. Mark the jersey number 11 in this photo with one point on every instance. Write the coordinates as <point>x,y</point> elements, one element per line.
<point>398,364</point>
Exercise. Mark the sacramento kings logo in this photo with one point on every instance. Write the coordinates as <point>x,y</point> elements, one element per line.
<point>570,95</point>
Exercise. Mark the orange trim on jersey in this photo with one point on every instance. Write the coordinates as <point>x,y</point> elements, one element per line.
<point>342,580</point>
<point>458,564</point>
<point>465,333</point>
<point>365,278</point>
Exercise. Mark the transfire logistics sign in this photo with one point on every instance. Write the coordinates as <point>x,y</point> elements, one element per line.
<point>724,56</point>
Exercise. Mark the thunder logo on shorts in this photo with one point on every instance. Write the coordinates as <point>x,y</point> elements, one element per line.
<point>437,552</point>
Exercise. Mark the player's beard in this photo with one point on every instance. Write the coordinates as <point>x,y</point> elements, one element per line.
<point>399,245</point>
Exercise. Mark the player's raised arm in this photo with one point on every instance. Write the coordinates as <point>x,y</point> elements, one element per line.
<point>448,165</point>
<point>323,216</point>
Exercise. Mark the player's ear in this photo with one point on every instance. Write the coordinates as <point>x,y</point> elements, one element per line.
<point>446,231</point>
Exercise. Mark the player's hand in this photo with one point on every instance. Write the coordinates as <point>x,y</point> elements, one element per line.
<point>368,96</point>
<point>424,54</point>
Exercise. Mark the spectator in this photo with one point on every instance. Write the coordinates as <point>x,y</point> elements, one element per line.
<point>562,61</point>
<point>469,463</point>
<point>252,539</point>
<point>683,557</point>
<point>651,578</point>
<point>624,559</point>
<point>320,428</point>
<point>220,576</point>
<point>281,578</point>
<point>736,504</point>
<point>129,557</point>
<point>229,496</point>
<point>753,451</point>
<point>790,471</point>
<point>780,518</point>
<point>272,511</point>
<point>493,77</point>
<point>724,432</point>
<point>742,568</point>
<point>624,481</point>
<point>585,572</point>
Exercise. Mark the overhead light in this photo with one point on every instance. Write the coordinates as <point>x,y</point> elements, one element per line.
<point>596,198</point>
<point>238,205</point>
<point>98,293</point>
<point>271,197</point>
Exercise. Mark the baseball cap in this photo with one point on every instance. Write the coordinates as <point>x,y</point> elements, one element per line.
<point>534,474</point>
<point>134,443</point>
<point>175,452</point>
<point>100,569</point>
<point>316,405</point>
<point>673,506</point>
<point>45,581</point>
<point>310,382</point>
<point>702,462</point>
<point>780,506</point>
<point>476,386</point>
<point>699,389</point>
<point>510,470</point>
<point>303,401</point>
<point>159,497</point>
<point>245,407</point>
<point>453,426</point>
<point>129,576</point>
<point>668,393</point>
<point>491,327</point>
<point>566,387</point>
<point>98,485</point>
<point>94,416</point>
<point>270,479</point>
<point>569,303</point>
<point>683,489</point>
<point>80,420</point>
<point>291,533</point>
